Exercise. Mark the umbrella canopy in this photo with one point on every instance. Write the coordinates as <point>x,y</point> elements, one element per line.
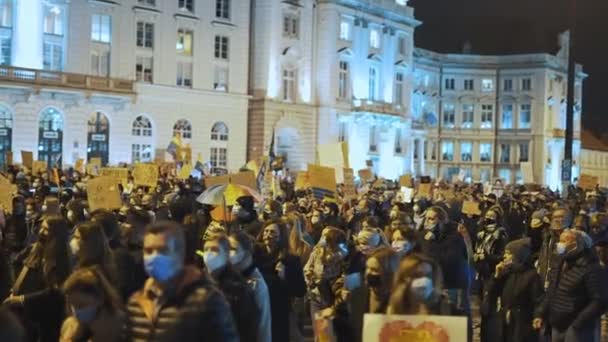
<point>226,194</point>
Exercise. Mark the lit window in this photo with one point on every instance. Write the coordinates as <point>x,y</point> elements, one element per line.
<point>508,85</point>
<point>506,121</point>
<point>145,35</point>
<point>6,13</point>
<point>505,153</point>
<point>343,80</point>
<point>466,151</point>
<point>373,83</point>
<point>52,58</point>
<point>485,152</point>
<point>526,84</point>
<point>183,129</point>
<point>374,38</point>
<point>398,89</point>
<point>469,84</point>
<point>291,25</point>
<point>101,28</point>
<point>219,132</point>
<point>487,112</point>
<point>468,113</point>
<point>183,45</point>
<point>345,30</point>
<point>289,85</point>
<point>100,63</point>
<point>449,115</point>
<point>220,82</point>
<point>142,127</point>
<point>449,84</point>
<point>184,74</point>
<point>447,151</point>
<point>221,47</point>
<point>53,20</point>
<point>523,152</point>
<point>186,5</point>
<point>525,114</point>
<point>505,174</point>
<point>143,69</point>
<point>487,85</point>
<point>222,9</point>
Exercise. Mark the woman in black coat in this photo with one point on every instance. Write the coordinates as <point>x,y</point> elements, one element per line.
<point>518,288</point>
<point>283,274</point>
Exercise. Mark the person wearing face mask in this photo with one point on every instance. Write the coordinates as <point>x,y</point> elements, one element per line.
<point>576,296</point>
<point>404,241</point>
<point>271,211</point>
<point>561,219</point>
<point>244,216</point>
<point>419,211</point>
<point>89,248</point>
<point>417,288</point>
<point>317,224</point>
<point>283,274</point>
<point>96,312</point>
<point>518,288</point>
<point>538,228</point>
<point>241,257</point>
<point>178,302</point>
<point>331,212</point>
<point>374,295</point>
<point>216,254</point>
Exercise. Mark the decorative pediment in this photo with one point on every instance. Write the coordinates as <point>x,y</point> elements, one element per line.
<point>345,51</point>
<point>374,57</point>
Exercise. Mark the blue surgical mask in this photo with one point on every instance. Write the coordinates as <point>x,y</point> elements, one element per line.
<point>214,261</point>
<point>162,267</point>
<point>85,315</point>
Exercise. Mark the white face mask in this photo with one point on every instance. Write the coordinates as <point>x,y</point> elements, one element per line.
<point>213,261</point>
<point>560,248</point>
<point>421,288</point>
<point>44,208</point>
<point>314,220</point>
<point>402,246</point>
<point>236,256</point>
<point>74,246</point>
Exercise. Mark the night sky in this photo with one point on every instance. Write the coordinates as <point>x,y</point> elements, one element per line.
<point>523,26</point>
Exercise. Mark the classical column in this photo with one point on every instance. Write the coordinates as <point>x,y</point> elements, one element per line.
<point>421,156</point>
<point>27,35</point>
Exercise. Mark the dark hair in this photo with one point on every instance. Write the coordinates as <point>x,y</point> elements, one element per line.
<point>179,208</point>
<point>245,240</point>
<point>77,207</point>
<point>94,250</point>
<point>56,266</point>
<point>93,282</point>
<point>283,235</point>
<point>108,222</point>
<point>11,329</point>
<point>172,230</point>
<point>222,240</point>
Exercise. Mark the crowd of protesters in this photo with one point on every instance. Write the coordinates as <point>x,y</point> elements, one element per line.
<point>162,269</point>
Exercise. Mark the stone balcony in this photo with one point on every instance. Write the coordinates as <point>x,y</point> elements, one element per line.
<point>378,107</point>
<point>63,80</point>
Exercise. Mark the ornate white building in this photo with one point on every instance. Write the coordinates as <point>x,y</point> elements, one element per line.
<point>346,70</point>
<point>594,157</point>
<point>117,79</point>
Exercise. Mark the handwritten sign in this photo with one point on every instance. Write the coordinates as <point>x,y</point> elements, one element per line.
<point>7,191</point>
<point>119,174</point>
<point>407,193</point>
<point>349,183</point>
<point>302,182</point>
<point>39,167</point>
<point>79,166</point>
<point>365,175</point>
<point>102,193</point>
<point>322,177</point>
<point>246,178</point>
<point>415,328</point>
<point>471,208</point>
<point>425,190</point>
<point>27,159</point>
<point>405,180</point>
<point>215,180</point>
<point>145,174</point>
<point>587,182</point>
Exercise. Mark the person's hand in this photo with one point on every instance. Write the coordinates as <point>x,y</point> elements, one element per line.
<point>537,323</point>
<point>280,269</point>
<point>14,300</point>
<point>500,268</point>
<point>429,236</point>
<point>328,313</point>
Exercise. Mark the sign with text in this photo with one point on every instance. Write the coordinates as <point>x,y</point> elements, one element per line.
<point>425,190</point>
<point>471,208</point>
<point>79,166</point>
<point>215,180</point>
<point>365,175</point>
<point>527,172</point>
<point>322,177</point>
<point>587,182</point>
<point>119,174</point>
<point>27,159</point>
<point>415,328</point>
<point>405,180</point>
<point>302,182</point>
<point>145,174</point>
<point>7,191</point>
<point>38,167</point>
<point>349,183</point>
<point>103,193</point>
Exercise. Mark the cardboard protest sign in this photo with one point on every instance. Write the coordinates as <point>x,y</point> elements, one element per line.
<point>333,155</point>
<point>8,155</point>
<point>527,172</point>
<point>322,177</point>
<point>215,180</point>
<point>27,159</point>
<point>103,193</point>
<point>408,194</point>
<point>425,190</point>
<point>38,167</point>
<point>415,328</point>
<point>471,208</point>
<point>302,182</point>
<point>324,328</point>
<point>185,171</point>
<point>405,180</point>
<point>7,191</point>
<point>448,194</point>
<point>246,178</point>
<point>349,183</point>
<point>119,174</point>
<point>79,165</point>
<point>425,179</point>
<point>587,182</point>
<point>167,168</point>
<point>365,175</point>
<point>145,174</point>
<point>4,180</point>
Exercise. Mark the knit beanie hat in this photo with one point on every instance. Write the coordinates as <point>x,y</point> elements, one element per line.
<point>520,249</point>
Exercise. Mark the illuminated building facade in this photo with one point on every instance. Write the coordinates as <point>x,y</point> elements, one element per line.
<point>116,79</point>
<point>347,70</point>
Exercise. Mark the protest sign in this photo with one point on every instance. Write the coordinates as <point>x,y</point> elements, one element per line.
<point>4,180</point>
<point>447,194</point>
<point>405,180</point>
<point>349,183</point>
<point>302,182</point>
<point>408,194</point>
<point>167,168</point>
<point>119,174</point>
<point>527,172</point>
<point>365,175</point>
<point>145,174</point>
<point>38,167</point>
<point>333,155</point>
<point>425,190</point>
<point>587,182</point>
<point>79,165</point>
<point>27,159</point>
<point>246,178</point>
<point>322,177</point>
<point>7,191</point>
<point>471,208</point>
<point>103,193</point>
<point>415,328</point>
<point>425,179</point>
<point>215,180</point>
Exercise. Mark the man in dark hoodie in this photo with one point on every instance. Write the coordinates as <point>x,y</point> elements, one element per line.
<point>576,296</point>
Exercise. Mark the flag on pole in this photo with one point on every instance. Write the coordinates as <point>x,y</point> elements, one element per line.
<point>199,163</point>
<point>174,144</point>
<point>266,164</point>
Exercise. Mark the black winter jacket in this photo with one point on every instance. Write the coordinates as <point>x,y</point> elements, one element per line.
<point>449,250</point>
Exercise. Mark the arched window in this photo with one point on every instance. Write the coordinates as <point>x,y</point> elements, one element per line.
<point>218,154</point>
<point>142,149</point>
<point>6,132</point>
<point>183,128</point>
<point>50,137</point>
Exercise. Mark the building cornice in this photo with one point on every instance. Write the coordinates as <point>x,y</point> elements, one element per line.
<point>396,13</point>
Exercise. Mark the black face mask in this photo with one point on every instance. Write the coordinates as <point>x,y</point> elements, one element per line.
<point>489,221</point>
<point>373,280</point>
<point>266,216</point>
<point>302,210</point>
